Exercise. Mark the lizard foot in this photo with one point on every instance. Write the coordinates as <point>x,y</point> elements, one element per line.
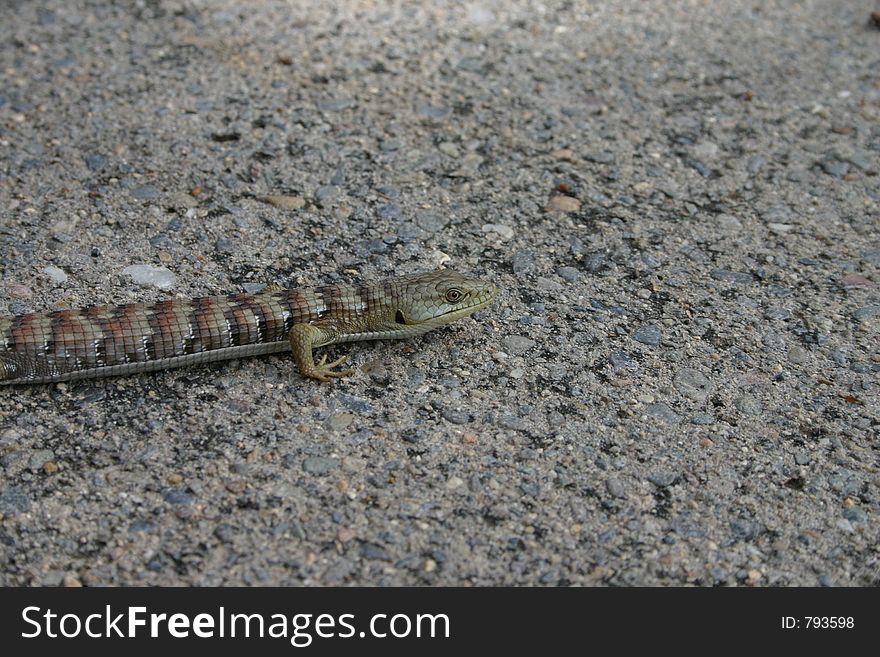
<point>324,371</point>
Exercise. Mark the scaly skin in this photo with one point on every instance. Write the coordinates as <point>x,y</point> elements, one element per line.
<point>114,340</point>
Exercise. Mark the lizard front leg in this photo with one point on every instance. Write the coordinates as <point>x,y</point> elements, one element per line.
<point>303,337</point>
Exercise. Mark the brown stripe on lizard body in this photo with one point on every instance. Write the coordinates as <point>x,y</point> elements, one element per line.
<point>261,316</point>
<point>299,308</point>
<point>153,342</point>
<point>64,334</point>
<point>165,334</point>
<point>206,321</point>
<point>173,333</point>
<point>130,326</point>
<point>186,333</point>
<point>190,341</point>
<point>357,300</point>
<point>68,340</point>
<point>93,336</point>
<point>274,313</point>
<point>104,347</point>
<point>112,344</point>
<point>224,319</point>
<point>219,312</point>
<point>245,322</point>
<point>318,304</point>
<point>360,298</point>
<point>26,333</point>
<point>229,326</point>
<point>334,300</point>
<point>120,330</point>
<point>214,309</point>
<point>31,333</point>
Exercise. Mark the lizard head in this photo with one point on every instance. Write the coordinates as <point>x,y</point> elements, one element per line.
<point>440,297</point>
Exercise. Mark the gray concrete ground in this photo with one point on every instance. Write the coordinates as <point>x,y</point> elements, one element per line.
<point>679,384</point>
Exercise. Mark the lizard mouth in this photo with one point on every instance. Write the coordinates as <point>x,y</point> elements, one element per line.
<point>476,301</point>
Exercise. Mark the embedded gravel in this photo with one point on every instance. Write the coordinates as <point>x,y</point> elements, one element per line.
<point>677,386</point>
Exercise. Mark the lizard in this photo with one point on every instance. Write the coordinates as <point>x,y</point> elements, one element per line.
<point>107,340</point>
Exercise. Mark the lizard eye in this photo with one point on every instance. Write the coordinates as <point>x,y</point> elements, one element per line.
<point>453,295</point>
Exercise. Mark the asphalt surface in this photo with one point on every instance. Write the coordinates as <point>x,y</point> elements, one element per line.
<point>677,386</point>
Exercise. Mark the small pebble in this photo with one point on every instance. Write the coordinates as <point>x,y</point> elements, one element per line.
<point>511,422</point>
<point>389,211</point>
<point>648,334</point>
<point>706,150</point>
<point>434,111</point>
<point>560,203</point>
<point>741,278</point>
<point>319,465</point>
<point>728,222</point>
<point>504,232</point>
<point>374,552</point>
<point>620,360</point>
<point>692,383</point>
<point>798,355</point>
<point>662,478</point>
<point>390,145</point>
<point>548,284</point>
<point>177,496</point>
<point>749,405</point>
<point>866,313</point>
<point>780,229</point>
<point>855,514</point>
<point>522,261</point>
<point>336,105</point>
<point>95,161</point>
<point>345,534</point>
<point>517,344</point>
<point>432,222</point>
<point>326,194</point>
<point>775,313</point>
<point>614,487</point>
<point>224,245</point>
<point>388,191</point>
<point>71,581</point>
<point>160,277</point>
<point>594,262</point>
<point>339,421</point>
<point>456,416</point>
<point>454,482</point>
<point>13,501</point>
<point>55,274</point>
<point>145,193</point>
<point>856,280</point>
<point>835,168</point>
<point>449,149</point>
<point>602,157</point>
<point>664,412</point>
<point>284,202</point>
<point>565,154</point>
